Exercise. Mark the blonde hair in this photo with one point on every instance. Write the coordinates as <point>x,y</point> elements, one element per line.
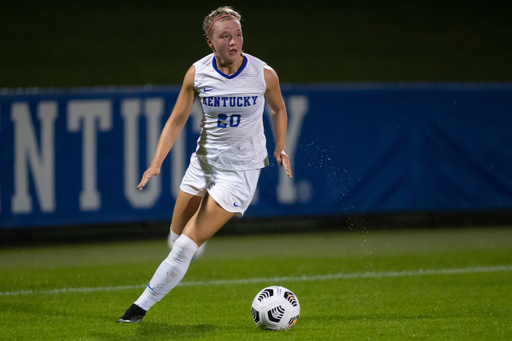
<point>226,11</point>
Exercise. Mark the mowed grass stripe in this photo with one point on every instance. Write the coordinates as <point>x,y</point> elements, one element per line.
<point>303,278</point>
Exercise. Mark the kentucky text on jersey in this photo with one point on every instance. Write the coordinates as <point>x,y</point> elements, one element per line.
<point>245,101</point>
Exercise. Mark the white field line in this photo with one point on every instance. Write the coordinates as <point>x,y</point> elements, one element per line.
<point>274,280</point>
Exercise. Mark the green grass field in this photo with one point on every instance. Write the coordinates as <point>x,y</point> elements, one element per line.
<point>443,284</point>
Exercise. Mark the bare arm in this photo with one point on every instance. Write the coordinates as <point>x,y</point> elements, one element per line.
<point>279,118</point>
<point>173,127</point>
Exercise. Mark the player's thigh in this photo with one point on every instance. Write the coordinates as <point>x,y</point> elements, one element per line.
<point>208,219</point>
<point>186,206</point>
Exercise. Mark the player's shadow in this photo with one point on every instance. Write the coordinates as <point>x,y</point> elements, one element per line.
<point>175,330</point>
<point>157,331</point>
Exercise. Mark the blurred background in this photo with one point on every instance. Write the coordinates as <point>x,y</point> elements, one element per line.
<point>93,43</point>
<point>371,87</point>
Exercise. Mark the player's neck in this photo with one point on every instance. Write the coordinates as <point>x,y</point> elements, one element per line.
<point>227,67</point>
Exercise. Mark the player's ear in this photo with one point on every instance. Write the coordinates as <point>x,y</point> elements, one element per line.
<point>210,43</point>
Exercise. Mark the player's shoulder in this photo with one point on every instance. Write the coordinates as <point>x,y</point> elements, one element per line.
<point>255,60</point>
<point>257,68</point>
<point>203,62</point>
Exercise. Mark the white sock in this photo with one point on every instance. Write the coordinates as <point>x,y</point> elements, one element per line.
<point>171,239</point>
<point>169,273</point>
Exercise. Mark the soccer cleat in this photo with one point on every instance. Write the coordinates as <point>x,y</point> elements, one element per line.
<point>132,315</point>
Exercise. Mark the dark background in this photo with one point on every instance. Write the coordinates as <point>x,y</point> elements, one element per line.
<point>101,43</point>
<point>88,43</point>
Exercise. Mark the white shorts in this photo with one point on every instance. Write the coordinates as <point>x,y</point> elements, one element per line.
<point>232,189</point>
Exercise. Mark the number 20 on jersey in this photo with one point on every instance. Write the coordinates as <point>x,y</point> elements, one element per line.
<point>225,120</point>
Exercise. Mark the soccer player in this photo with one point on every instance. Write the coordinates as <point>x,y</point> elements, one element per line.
<point>232,87</point>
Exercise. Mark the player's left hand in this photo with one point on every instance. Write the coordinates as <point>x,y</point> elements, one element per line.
<point>284,160</point>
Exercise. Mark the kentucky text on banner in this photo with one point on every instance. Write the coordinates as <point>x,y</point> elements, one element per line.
<point>76,156</point>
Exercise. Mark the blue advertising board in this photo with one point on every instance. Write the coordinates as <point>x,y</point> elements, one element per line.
<point>75,156</point>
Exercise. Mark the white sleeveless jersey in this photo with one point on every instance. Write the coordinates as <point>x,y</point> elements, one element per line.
<point>232,135</point>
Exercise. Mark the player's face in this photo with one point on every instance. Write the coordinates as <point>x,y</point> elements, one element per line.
<point>227,40</point>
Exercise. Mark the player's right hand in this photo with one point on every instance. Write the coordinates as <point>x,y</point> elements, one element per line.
<point>148,174</point>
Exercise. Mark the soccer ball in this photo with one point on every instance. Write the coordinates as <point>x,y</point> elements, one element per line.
<point>275,308</point>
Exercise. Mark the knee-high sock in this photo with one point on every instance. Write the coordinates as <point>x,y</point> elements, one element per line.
<point>171,239</point>
<point>169,273</point>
